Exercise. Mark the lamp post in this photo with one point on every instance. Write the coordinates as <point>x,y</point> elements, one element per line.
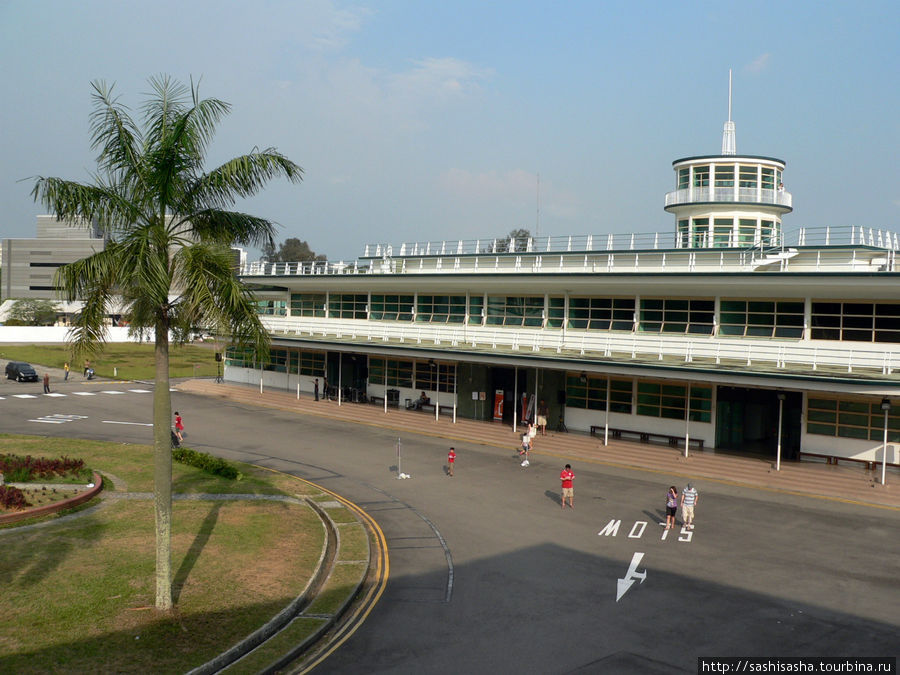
<point>886,406</point>
<point>780,411</point>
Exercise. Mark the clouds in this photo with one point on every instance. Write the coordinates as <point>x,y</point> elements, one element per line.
<point>759,64</point>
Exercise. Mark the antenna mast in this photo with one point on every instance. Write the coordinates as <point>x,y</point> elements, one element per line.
<point>729,141</point>
<point>537,226</point>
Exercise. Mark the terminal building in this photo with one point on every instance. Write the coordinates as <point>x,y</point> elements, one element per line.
<point>727,332</point>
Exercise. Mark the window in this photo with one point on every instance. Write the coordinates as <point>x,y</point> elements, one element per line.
<point>441,308</point>
<point>476,310</point>
<point>761,318</point>
<point>746,232</point>
<point>701,233</point>
<point>670,315</point>
<point>391,308</point>
<point>722,231</point>
<point>601,313</point>
<point>311,363</point>
<point>767,232</point>
<point>589,392</point>
<point>277,360</point>
<point>768,178</point>
<point>391,372</point>
<point>683,232</point>
<point>437,377</point>
<point>271,307</point>
<point>515,310</point>
<point>239,357</point>
<point>701,176</point>
<point>856,321</point>
<point>556,312</point>
<point>684,177</point>
<point>308,304</point>
<point>747,176</point>
<point>347,305</point>
<point>847,418</point>
<point>725,176</point>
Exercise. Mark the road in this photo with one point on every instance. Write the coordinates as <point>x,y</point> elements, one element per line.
<point>489,574</point>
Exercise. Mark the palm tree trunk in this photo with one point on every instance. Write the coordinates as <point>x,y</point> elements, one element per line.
<point>162,471</point>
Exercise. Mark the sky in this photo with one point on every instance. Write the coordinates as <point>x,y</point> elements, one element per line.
<point>418,120</point>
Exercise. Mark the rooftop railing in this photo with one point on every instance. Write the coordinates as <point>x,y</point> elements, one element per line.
<point>605,253</point>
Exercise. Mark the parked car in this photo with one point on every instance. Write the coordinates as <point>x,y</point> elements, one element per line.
<point>21,372</point>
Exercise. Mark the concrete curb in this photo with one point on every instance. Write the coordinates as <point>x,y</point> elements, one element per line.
<point>56,506</point>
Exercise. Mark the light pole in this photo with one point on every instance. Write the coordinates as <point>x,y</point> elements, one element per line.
<point>780,411</point>
<point>886,406</point>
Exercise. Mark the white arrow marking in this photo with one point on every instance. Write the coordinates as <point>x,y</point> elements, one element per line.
<point>622,585</point>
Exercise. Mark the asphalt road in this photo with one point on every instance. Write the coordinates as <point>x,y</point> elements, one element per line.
<point>489,574</point>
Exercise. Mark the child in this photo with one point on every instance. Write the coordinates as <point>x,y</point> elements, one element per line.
<point>526,446</point>
<point>451,458</point>
<point>179,427</point>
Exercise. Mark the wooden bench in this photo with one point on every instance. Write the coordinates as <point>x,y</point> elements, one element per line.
<point>429,407</point>
<point>380,401</point>
<point>646,436</point>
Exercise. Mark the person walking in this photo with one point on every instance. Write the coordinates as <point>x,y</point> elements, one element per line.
<point>451,459</point>
<point>671,507</point>
<point>542,413</point>
<point>526,445</point>
<point>66,369</point>
<point>689,499</point>
<point>87,367</point>
<point>568,490</point>
<point>316,388</point>
<point>179,427</point>
<point>46,383</point>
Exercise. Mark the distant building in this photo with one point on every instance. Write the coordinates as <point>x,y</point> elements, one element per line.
<point>29,265</point>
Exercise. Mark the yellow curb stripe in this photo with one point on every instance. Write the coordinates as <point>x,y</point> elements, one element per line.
<point>376,590</point>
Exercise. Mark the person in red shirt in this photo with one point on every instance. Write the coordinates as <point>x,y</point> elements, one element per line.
<point>451,458</point>
<point>567,476</point>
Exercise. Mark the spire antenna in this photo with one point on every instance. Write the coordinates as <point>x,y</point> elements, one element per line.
<point>729,140</point>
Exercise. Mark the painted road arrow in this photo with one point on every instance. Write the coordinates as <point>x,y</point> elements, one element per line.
<point>622,585</point>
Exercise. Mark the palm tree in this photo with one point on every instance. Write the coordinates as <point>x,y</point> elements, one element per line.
<point>168,226</point>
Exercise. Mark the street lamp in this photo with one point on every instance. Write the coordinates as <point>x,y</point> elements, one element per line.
<point>886,406</point>
<point>780,411</point>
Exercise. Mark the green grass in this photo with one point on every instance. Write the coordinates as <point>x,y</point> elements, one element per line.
<point>265,655</point>
<point>127,361</point>
<point>342,581</point>
<point>78,596</point>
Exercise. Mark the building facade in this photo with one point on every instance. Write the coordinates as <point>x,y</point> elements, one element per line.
<point>726,331</point>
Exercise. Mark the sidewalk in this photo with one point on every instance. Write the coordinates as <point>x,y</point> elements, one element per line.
<point>846,482</point>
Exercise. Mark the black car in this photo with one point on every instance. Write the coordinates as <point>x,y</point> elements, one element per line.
<point>20,371</point>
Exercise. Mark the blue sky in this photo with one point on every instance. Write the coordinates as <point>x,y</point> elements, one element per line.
<point>427,120</point>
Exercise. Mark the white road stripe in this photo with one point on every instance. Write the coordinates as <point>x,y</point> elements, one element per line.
<point>141,391</point>
<point>85,393</point>
<point>55,395</point>
<point>137,424</point>
<point>24,395</point>
<point>48,421</point>
<point>112,392</point>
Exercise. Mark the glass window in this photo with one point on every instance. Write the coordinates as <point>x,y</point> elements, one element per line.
<point>851,418</point>
<point>312,363</point>
<point>347,305</point>
<point>271,307</point>
<point>391,372</point>
<point>589,392</point>
<point>746,232</point>
<point>391,307</point>
<point>476,309</point>
<point>768,178</point>
<point>433,376</point>
<point>441,308</point>
<point>701,176</point>
<point>747,176</point>
<point>724,175</point>
<point>701,233</point>
<point>556,311</point>
<point>673,315</point>
<point>722,231</point>
<point>684,178</point>
<point>308,304</point>
<point>515,311</point>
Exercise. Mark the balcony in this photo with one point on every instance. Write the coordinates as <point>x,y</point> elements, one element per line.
<point>700,195</point>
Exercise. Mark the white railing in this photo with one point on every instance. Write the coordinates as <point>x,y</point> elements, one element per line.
<point>729,194</point>
<point>594,253</point>
<point>839,359</point>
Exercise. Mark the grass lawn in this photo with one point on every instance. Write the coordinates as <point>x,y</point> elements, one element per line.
<point>126,360</point>
<point>78,595</point>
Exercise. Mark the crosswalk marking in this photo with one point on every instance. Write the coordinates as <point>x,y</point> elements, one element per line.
<point>141,391</point>
<point>112,392</point>
<point>85,393</point>
<point>55,394</point>
<point>24,395</point>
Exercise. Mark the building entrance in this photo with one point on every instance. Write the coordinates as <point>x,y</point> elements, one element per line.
<point>747,421</point>
<point>505,379</point>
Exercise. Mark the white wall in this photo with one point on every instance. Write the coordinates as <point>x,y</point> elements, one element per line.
<point>849,448</point>
<point>579,419</point>
<point>60,334</point>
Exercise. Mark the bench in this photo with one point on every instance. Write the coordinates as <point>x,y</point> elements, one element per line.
<point>831,459</point>
<point>379,400</point>
<point>429,407</point>
<point>647,436</point>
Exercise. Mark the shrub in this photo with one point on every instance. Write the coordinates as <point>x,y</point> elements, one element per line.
<point>206,462</point>
<point>18,469</point>
<point>12,498</point>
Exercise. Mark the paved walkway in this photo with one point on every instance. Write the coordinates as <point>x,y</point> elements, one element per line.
<point>847,482</point>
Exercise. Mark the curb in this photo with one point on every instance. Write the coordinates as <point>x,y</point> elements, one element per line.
<point>55,506</point>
